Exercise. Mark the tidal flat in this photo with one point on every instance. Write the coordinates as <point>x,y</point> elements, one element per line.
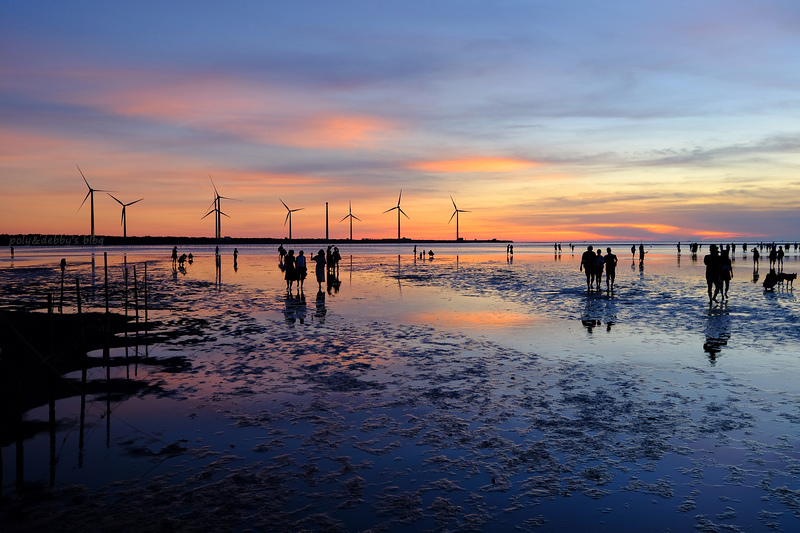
<point>468,392</point>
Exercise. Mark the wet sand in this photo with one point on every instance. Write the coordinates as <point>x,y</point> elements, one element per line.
<point>463,393</point>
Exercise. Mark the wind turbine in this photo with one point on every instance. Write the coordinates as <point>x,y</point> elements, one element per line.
<point>399,210</point>
<point>289,217</point>
<point>217,209</point>
<point>351,216</point>
<point>124,221</point>
<point>89,194</point>
<point>455,214</point>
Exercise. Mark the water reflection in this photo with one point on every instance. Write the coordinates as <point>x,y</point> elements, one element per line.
<point>599,309</point>
<point>717,331</point>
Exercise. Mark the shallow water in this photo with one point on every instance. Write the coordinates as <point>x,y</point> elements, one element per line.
<point>456,394</point>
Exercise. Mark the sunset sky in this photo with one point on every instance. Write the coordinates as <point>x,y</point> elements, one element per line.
<point>546,120</point>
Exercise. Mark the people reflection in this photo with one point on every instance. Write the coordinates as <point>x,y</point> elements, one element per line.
<point>320,310</point>
<point>717,331</point>
<point>333,282</point>
<point>295,307</point>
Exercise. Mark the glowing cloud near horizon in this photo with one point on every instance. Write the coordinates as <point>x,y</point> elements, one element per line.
<point>481,164</point>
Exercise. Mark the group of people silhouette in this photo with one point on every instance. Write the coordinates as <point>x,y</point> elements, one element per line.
<point>719,271</point>
<point>594,263</point>
<point>295,268</point>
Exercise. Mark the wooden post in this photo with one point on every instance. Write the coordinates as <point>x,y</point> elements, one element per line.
<point>105,270</point>
<point>136,299</point>
<point>78,294</point>
<point>61,301</point>
<point>145,295</point>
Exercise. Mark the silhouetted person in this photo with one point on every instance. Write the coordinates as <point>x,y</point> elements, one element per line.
<point>779,262</point>
<point>302,269</point>
<point>725,272</point>
<point>336,258</point>
<point>290,270</point>
<point>430,255</point>
<point>611,269</point>
<point>770,280</point>
<point>588,260</point>
<point>63,265</point>
<point>712,262</point>
<point>600,262</point>
<point>235,255</point>
<point>319,259</point>
<point>641,253</point>
<point>773,257</point>
<point>191,258</point>
<point>633,251</point>
<point>281,253</point>
<point>756,255</point>
<point>174,255</point>
<point>679,247</point>
<point>12,252</point>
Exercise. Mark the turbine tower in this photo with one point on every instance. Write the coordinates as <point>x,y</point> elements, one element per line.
<point>124,221</point>
<point>399,210</point>
<point>455,214</point>
<point>217,210</point>
<point>289,217</point>
<point>351,216</point>
<point>89,195</point>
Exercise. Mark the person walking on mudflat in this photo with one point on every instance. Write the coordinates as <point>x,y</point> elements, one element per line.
<point>600,262</point>
<point>290,270</point>
<point>588,262</point>
<point>725,271</point>
<point>319,259</point>
<point>611,269</point>
<point>713,279</point>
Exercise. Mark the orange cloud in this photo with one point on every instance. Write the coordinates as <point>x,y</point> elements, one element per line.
<point>481,164</point>
<point>324,131</point>
<point>654,228</point>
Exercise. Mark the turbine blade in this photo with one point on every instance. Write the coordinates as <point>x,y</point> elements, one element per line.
<point>212,184</point>
<point>345,218</point>
<point>298,209</point>
<point>355,217</point>
<point>454,203</point>
<point>84,199</point>
<point>404,214</point>
<point>287,218</point>
<point>392,209</point>
<point>122,218</point>
<point>139,200</point>
<point>204,216</point>
<point>284,205</point>
<point>117,199</point>
<point>221,213</point>
<point>399,197</point>
<point>84,177</point>
<point>451,216</point>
